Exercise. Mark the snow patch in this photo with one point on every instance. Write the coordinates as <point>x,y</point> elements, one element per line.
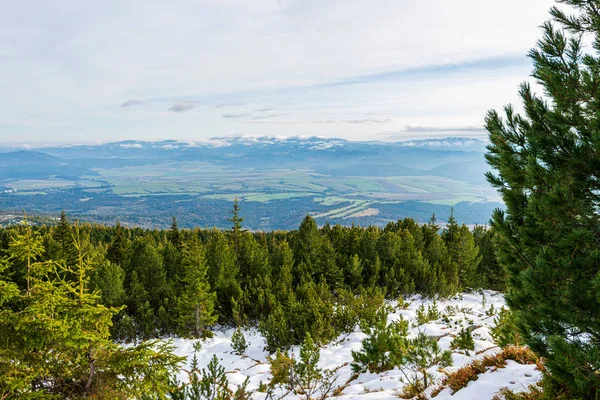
<point>469,310</point>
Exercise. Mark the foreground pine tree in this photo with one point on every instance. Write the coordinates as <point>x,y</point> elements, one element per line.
<point>59,332</point>
<point>548,165</point>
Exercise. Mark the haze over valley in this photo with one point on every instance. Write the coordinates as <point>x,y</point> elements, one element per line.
<point>278,181</point>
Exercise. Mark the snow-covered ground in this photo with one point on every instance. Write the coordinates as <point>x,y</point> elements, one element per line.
<point>469,311</point>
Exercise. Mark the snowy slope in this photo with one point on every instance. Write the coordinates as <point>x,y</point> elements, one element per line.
<point>469,312</point>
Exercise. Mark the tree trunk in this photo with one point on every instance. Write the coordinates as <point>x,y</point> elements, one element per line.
<point>90,380</point>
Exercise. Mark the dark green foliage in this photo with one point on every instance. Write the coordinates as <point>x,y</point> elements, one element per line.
<point>238,342</point>
<point>61,245</point>
<point>236,229</point>
<point>424,316</point>
<point>463,253</point>
<point>209,383</point>
<point>547,163</point>
<point>223,273</point>
<point>308,373</point>
<point>195,305</point>
<point>108,279</point>
<point>275,330</point>
<point>383,347</point>
<point>493,275</point>
<point>423,353</point>
<point>505,331</point>
<point>463,340</point>
<point>147,262</point>
<point>313,281</point>
<point>173,235</point>
<point>118,249</point>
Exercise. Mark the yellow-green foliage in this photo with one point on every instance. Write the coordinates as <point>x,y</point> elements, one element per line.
<point>60,333</point>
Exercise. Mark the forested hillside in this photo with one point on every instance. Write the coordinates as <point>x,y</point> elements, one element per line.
<point>137,284</point>
<point>288,282</point>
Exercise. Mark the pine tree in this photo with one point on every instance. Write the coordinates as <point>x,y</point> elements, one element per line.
<point>430,230</point>
<point>307,246</point>
<point>238,342</point>
<point>465,253</point>
<point>436,253</point>
<point>108,278</point>
<point>492,273</point>
<point>213,383</point>
<point>63,241</point>
<point>283,263</point>
<point>15,378</point>
<point>196,304</point>
<point>307,372</point>
<point>422,353</point>
<point>327,267</point>
<point>253,259</point>
<point>222,273</point>
<point>173,235</point>
<point>118,250</point>
<point>463,340</point>
<point>236,229</point>
<point>547,163</point>
<point>449,233</point>
<point>276,330</point>
<point>26,248</point>
<point>354,272</point>
<point>60,336</point>
<point>148,263</point>
<point>384,346</point>
<point>505,331</point>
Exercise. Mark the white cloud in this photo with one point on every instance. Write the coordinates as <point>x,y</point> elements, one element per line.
<point>72,64</point>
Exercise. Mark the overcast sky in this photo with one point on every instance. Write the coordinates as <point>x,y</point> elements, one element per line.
<point>95,71</point>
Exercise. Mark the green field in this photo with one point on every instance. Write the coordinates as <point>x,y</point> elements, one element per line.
<point>342,196</point>
<point>31,184</point>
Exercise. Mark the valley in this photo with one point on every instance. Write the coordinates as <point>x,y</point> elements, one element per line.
<point>278,181</point>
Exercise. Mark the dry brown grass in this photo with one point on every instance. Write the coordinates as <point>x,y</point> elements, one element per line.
<point>461,378</point>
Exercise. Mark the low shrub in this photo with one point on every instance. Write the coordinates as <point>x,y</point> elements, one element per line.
<point>460,378</point>
<point>238,342</point>
<point>464,340</point>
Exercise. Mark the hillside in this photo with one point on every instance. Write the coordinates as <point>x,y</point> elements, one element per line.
<point>470,311</point>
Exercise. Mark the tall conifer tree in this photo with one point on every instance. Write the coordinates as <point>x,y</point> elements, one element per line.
<point>118,250</point>
<point>236,220</point>
<point>548,172</point>
<point>196,304</point>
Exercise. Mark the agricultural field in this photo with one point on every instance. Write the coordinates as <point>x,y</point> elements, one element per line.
<point>264,186</point>
<point>351,182</point>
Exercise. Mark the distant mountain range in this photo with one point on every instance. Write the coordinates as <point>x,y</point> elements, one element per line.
<point>334,179</point>
<point>450,157</point>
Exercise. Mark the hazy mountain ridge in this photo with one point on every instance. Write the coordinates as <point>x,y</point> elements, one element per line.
<point>426,154</point>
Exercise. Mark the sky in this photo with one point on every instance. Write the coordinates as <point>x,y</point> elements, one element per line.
<point>96,71</point>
